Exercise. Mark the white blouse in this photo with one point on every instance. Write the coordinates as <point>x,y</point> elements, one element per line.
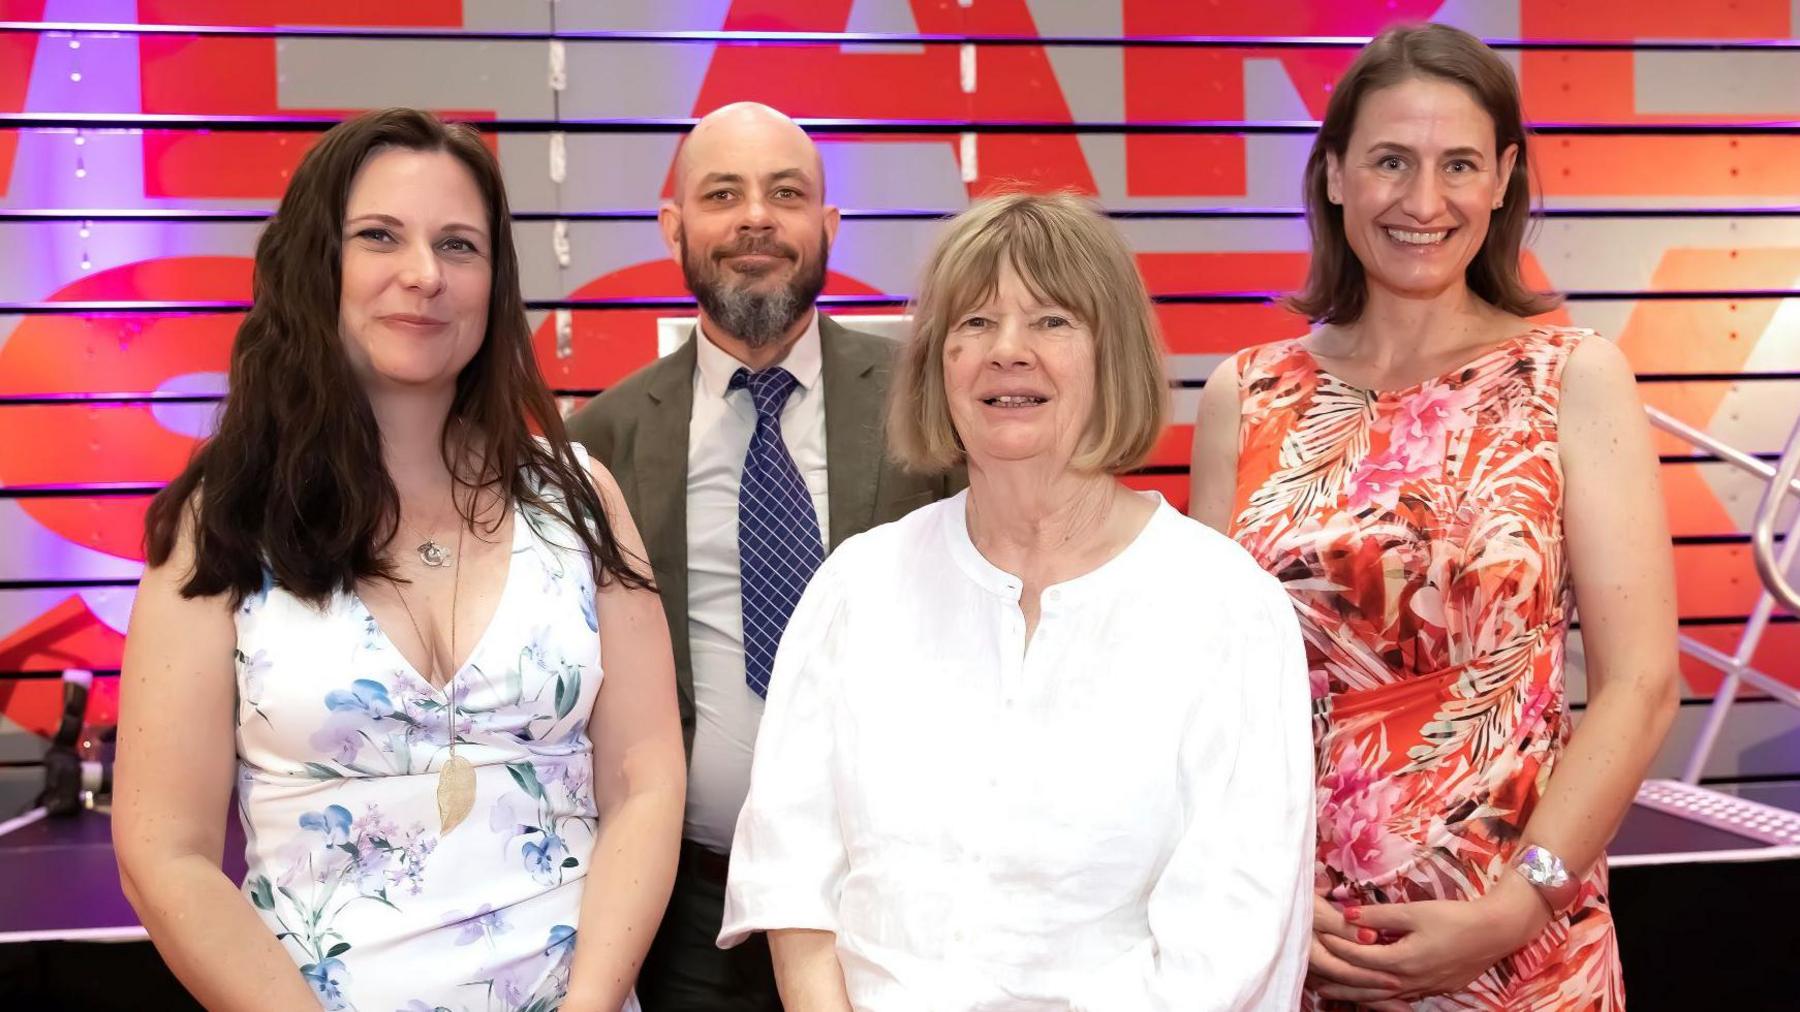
<point>1118,816</point>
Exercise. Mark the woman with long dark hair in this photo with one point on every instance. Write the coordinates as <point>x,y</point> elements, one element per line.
<point>380,606</point>
<point>1438,481</point>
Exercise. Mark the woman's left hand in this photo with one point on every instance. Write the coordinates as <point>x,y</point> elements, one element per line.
<point>1442,945</point>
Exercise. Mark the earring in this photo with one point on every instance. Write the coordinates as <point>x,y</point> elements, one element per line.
<point>1499,202</point>
<point>1334,198</point>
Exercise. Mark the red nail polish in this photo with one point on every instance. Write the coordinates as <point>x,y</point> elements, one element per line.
<point>1352,913</point>
<point>1366,936</point>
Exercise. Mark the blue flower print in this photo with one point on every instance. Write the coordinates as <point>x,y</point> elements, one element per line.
<point>587,609</point>
<point>545,859</point>
<point>562,941</point>
<point>364,730</point>
<point>327,980</point>
<point>365,696</point>
<point>334,822</point>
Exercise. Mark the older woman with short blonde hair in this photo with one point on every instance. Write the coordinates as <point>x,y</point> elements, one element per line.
<point>1043,745</point>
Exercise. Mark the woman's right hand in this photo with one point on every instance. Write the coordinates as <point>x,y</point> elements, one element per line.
<point>1333,978</point>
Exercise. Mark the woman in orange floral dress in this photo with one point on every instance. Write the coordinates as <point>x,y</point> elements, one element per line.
<point>1438,483</point>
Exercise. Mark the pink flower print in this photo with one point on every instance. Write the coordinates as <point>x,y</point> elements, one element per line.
<point>1319,683</point>
<point>1355,805</point>
<point>1419,425</point>
<point>1378,479</point>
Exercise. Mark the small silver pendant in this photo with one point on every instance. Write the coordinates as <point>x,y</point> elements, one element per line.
<point>433,554</point>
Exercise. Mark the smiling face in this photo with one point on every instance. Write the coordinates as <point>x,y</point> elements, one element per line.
<point>1019,376</point>
<point>1418,181</point>
<point>749,223</point>
<point>415,270</point>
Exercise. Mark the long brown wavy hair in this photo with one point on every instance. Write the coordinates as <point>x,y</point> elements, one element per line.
<point>1336,286</point>
<point>292,482</point>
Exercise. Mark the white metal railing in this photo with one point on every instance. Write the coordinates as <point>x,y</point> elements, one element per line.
<point>1771,565</point>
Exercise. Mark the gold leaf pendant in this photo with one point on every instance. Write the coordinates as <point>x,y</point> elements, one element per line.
<point>455,792</point>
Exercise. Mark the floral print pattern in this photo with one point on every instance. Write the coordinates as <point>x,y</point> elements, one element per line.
<point>340,743</point>
<point>1419,533</point>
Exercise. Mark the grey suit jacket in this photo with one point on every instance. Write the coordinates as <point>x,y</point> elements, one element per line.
<point>639,430</point>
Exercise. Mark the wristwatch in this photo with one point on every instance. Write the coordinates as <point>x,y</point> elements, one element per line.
<point>1544,870</point>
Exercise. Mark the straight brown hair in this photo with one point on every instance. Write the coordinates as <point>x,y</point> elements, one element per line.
<point>292,483</point>
<point>1336,286</point>
<point>1068,253</point>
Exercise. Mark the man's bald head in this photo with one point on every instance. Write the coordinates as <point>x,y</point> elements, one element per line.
<point>732,133</point>
<point>749,225</point>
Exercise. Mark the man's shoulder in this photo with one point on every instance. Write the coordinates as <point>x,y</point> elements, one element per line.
<point>620,402</point>
<point>645,377</point>
<point>856,345</point>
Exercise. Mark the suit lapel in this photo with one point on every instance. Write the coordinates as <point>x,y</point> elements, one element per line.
<point>659,453</point>
<point>853,445</point>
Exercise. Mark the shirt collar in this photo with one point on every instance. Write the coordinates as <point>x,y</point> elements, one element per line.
<point>715,366</point>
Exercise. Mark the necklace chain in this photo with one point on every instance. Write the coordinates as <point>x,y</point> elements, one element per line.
<point>432,554</point>
<point>455,596</point>
<point>456,780</point>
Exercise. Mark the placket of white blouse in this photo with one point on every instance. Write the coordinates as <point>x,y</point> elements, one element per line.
<point>987,812</point>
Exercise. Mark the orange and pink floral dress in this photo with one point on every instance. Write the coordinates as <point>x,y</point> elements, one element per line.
<point>1419,532</point>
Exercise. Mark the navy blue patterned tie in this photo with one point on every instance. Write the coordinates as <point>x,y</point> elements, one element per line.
<point>779,547</point>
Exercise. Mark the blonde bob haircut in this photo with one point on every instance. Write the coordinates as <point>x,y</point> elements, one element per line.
<point>1068,254</point>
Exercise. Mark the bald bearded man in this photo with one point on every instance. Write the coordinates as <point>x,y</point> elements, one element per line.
<point>745,455</point>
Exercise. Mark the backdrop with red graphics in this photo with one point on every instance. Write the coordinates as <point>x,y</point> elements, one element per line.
<point>1664,169</point>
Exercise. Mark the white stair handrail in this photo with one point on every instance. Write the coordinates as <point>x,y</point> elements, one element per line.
<point>1774,571</point>
<point>1736,666</point>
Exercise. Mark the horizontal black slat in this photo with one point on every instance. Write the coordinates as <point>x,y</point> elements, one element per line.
<point>66,583</point>
<point>176,307</point>
<point>53,675</point>
<point>89,490</point>
<point>81,490</point>
<point>834,39</point>
<point>257,216</point>
<point>153,397</point>
<point>845,126</point>
<point>56,674</point>
<point>1711,621</point>
<point>1751,778</point>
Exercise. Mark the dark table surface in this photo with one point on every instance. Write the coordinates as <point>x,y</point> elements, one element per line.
<point>59,878</point>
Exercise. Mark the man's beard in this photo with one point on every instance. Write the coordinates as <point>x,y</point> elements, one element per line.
<point>757,318</point>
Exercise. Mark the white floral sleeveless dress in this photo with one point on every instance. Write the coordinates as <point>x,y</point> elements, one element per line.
<point>339,746</point>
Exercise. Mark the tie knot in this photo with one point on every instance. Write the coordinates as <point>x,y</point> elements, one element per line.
<point>769,389</point>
